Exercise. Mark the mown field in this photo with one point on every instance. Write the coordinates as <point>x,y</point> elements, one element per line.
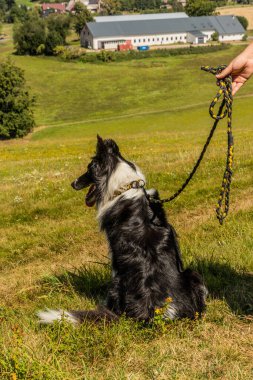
<point>53,255</point>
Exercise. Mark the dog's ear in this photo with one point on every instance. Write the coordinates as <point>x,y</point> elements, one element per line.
<point>100,145</point>
<point>106,146</point>
<point>99,139</point>
<point>111,147</point>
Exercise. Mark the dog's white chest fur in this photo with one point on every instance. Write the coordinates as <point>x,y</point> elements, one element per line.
<point>123,175</point>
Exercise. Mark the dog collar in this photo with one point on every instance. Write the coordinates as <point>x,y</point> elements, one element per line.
<point>137,184</point>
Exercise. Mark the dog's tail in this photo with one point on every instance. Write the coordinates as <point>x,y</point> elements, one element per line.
<point>75,317</point>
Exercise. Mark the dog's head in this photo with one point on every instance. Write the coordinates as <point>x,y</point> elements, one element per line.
<point>99,170</point>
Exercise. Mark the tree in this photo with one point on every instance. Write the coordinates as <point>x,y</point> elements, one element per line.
<point>38,35</point>
<point>59,24</point>
<point>29,35</point>
<point>176,6</point>
<point>111,7</point>
<point>16,116</point>
<point>82,16</point>
<point>215,36</point>
<point>17,13</point>
<point>117,6</point>
<point>53,39</point>
<point>244,22</point>
<point>3,9</point>
<point>200,7</point>
<point>9,3</point>
<point>127,5</point>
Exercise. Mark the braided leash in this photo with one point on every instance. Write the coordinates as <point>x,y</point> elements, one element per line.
<point>225,91</point>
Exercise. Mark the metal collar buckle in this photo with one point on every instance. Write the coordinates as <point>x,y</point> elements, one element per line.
<point>137,184</point>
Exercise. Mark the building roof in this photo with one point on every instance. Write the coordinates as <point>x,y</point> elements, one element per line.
<point>58,6</point>
<point>224,25</point>
<point>196,33</point>
<point>153,16</point>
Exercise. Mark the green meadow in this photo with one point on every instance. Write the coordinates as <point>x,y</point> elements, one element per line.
<point>52,254</point>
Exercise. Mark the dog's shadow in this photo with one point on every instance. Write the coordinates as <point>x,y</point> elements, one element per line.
<point>90,280</point>
<point>222,281</point>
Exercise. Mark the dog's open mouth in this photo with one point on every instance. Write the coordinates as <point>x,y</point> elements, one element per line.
<point>90,198</point>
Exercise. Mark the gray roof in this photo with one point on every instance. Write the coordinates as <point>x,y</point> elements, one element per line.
<point>221,24</point>
<point>196,33</point>
<point>153,16</point>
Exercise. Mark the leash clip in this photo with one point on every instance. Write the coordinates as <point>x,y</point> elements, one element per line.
<point>138,184</point>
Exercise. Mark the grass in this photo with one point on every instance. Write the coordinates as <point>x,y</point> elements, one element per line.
<point>28,3</point>
<point>157,110</point>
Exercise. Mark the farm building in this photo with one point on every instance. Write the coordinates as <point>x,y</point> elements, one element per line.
<point>92,5</point>
<point>109,34</point>
<point>48,8</point>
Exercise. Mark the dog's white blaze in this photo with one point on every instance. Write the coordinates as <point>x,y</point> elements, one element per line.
<point>123,175</point>
<point>50,316</point>
<point>171,312</point>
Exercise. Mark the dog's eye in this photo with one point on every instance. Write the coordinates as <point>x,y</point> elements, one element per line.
<point>93,165</point>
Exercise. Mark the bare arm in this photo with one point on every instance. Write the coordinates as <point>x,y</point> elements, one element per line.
<point>241,68</point>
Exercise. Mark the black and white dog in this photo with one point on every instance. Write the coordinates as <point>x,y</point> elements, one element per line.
<point>147,267</point>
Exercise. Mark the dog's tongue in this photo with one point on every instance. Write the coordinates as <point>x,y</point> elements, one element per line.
<point>90,198</point>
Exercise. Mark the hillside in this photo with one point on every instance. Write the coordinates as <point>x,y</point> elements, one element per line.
<point>53,255</point>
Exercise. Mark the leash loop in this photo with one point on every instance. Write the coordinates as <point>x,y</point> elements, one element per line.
<point>225,91</point>
<point>225,110</point>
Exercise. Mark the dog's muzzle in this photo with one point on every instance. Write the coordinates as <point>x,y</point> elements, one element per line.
<point>81,182</point>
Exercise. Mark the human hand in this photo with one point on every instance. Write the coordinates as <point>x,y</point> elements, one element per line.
<point>241,69</point>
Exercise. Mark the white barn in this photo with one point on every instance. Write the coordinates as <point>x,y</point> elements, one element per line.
<point>162,31</point>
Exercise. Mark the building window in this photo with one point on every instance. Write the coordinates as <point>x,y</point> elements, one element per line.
<point>176,38</point>
<point>139,40</point>
<point>153,39</point>
<point>144,40</point>
<point>148,39</point>
<point>134,41</point>
<point>171,38</point>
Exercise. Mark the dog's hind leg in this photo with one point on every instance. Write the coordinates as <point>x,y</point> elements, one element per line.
<point>188,300</point>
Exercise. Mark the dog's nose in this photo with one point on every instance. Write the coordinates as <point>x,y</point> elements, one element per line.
<point>74,184</point>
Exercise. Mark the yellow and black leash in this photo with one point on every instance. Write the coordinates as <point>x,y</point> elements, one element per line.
<point>225,109</point>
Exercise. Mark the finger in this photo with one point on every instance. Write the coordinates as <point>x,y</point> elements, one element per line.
<point>225,72</point>
<point>235,87</point>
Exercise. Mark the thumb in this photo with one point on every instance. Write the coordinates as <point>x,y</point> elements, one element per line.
<point>225,72</point>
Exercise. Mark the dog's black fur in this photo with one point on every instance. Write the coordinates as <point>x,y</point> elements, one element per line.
<point>146,260</point>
